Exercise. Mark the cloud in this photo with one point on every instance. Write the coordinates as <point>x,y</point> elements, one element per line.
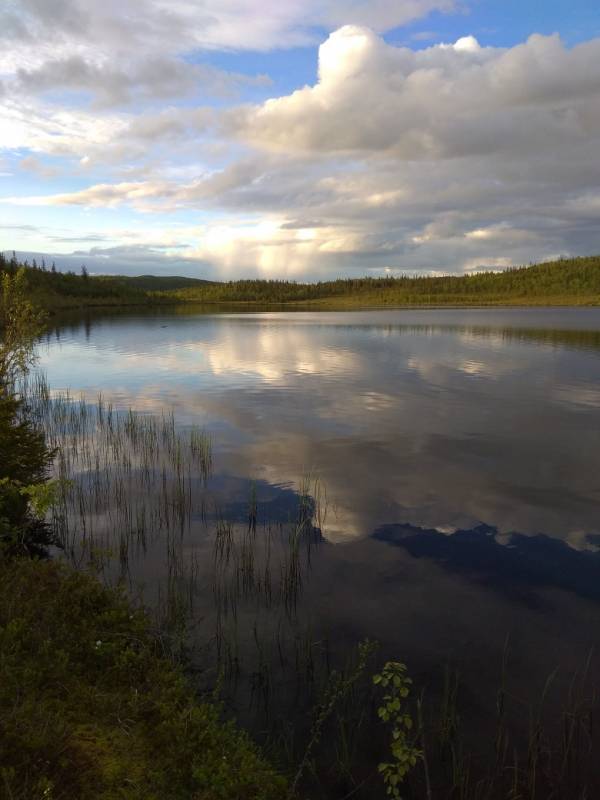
<point>126,259</point>
<point>308,218</point>
<point>269,249</point>
<point>150,79</point>
<point>380,15</point>
<point>104,195</point>
<point>187,24</point>
<point>119,57</point>
<point>37,167</point>
<point>446,101</point>
<point>29,228</point>
<point>449,158</point>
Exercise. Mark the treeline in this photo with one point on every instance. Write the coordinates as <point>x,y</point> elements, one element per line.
<point>156,283</point>
<point>51,289</point>
<point>55,290</point>
<point>573,281</point>
<point>569,280</point>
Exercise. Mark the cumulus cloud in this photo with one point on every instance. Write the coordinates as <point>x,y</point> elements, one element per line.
<point>450,158</point>
<point>445,101</point>
<point>267,248</point>
<point>90,81</point>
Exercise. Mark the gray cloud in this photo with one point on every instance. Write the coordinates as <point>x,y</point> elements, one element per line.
<point>445,159</point>
<point>30,228</point>
<point>240,24</point>
<point>150,79</point>
<point>327,218</point>
<point>134,260</point>
<point>121,56</point>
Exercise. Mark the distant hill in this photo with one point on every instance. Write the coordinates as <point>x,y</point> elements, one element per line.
<point>54,290</point>
<point>155,283</point>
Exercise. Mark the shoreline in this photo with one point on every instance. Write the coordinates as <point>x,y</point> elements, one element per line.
<point>328,305</point>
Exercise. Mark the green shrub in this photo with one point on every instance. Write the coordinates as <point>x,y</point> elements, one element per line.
<point>89,708</point>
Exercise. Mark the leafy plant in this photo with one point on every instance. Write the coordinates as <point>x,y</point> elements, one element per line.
<point>25,494</point>
<point>20,323</point>
<point>396,683</point>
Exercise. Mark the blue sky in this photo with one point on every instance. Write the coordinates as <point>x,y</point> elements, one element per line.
<point>504,23</point>
<point>299,139</point>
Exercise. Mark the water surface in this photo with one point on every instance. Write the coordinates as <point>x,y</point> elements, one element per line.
<point>456,452</point>
<point>439,419</point>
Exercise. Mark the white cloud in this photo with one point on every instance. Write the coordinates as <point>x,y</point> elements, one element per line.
<point>119,53</point>
<point>188,24</point>
<point>34,165</point>
<point>441,102</point>
<point>449,158</point>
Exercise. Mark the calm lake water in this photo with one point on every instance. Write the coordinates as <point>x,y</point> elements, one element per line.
<point>437,419</point>
<point>457,454</point>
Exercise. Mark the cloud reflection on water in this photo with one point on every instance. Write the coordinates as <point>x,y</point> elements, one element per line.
<point>434,419</point>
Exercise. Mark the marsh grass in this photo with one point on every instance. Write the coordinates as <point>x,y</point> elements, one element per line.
<point>127,478</point>
<point>135,487</point>
<point>542,748</point>
<point>135,491</point>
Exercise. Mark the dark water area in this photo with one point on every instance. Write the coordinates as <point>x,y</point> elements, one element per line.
<point>451,462</point>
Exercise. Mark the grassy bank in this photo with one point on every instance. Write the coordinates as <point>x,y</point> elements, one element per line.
<point>91,709</point>
<point>566,282</point>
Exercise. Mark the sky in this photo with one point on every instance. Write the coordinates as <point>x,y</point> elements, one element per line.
<point>299,139</point>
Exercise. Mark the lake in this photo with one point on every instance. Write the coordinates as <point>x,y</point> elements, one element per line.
<point>451,459</point>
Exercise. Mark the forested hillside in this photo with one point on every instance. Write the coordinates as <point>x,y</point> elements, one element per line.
<point>53,290</point>
<point>149,283</point>
<point>568,281</point>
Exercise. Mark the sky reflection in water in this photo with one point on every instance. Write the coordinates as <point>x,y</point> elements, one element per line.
<point>457,451</point>
<point>437,419</point>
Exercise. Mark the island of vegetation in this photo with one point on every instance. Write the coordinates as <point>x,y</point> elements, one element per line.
<point>574,281</point>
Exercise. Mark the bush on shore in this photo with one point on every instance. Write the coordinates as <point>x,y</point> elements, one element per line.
<point>89,707</point>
